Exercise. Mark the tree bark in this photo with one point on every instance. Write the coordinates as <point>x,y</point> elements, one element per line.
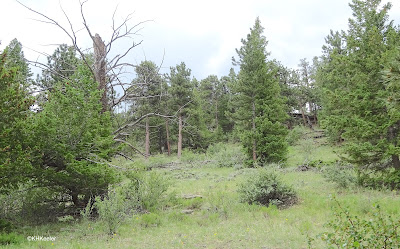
<point>180,136</point>
<point>147,143</point>
<point>167,131</point>
<point>254,130</point>
<point>100,68</point>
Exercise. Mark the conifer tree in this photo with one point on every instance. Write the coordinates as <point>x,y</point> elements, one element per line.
<point>180,90</point>
<point>15,102</point>
<point>355,106</point>
<point>259,107</point>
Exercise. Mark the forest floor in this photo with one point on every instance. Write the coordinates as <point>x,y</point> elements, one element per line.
<point>208,213</point>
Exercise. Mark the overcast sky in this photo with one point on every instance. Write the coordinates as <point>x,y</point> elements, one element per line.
<point>203,34</point>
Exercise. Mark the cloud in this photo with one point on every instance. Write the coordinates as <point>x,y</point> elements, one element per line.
<point>204,34</point>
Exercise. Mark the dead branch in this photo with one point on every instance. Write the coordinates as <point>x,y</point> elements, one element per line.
<point>130,145</point>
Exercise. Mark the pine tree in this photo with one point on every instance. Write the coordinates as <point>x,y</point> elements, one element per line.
<point>180,92</point>
<point>146,93</point>
<point>354,95</point>
<point>73,140</point>
<point>15,102</point>
<point>259,108</point>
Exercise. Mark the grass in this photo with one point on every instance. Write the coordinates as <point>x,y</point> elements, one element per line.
<point>217,219</point>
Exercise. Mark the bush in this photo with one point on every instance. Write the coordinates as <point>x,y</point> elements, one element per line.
<point>265,188</point>
<point>381,179</point>
<point>34,205</point>
<point>5,226</point>
<point>150,220</point>
<point>226,155</point>
<point>343,175</point>
<point>349,231</point>
<point>146,191</point>
<point>10,238</point>
<point>295,134</point>
<point>112,210</point>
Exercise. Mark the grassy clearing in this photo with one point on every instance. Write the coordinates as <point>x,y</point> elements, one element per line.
<point>217,219</point>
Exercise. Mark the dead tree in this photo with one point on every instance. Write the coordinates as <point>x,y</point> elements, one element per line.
<point>107,70</point>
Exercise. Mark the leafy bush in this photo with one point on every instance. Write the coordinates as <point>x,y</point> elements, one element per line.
<point>381,179</point>
<point>265,188</point>
<point>5,226</point>
<point>112,210</point>
<point>295,134</point>
<point>146,191</point>
<point>10,238</point>
<point>343,175</point>
<point>349,231</point>
<point>150,220</point>
<point>35,205</point>
<point>227,155</point>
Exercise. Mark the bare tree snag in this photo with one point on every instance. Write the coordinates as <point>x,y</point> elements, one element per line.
<point>100,68</point>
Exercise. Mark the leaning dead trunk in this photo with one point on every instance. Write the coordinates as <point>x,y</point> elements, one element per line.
<point>180,136</point>
<point>100,68</point>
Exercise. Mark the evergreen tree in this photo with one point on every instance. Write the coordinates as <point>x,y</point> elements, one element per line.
<point>16,59</point>
<point>354,95</point>
<point>180,91</point>
<point>61,65</point>
<point>14,111</point>
<point>259,107</point>
<point>146,94</point>
<point>73,140</point>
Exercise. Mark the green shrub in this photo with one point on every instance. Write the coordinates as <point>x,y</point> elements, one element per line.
<point>295,134</point>
<point>219,203</point>
<point>146,191</point>
<point>150,220</point>
<point>5,226</point>
<point>33,205</point>
<point>380,179</point>
<point>343,175</point>
<point>265,188</point>
<point>226,155</point>
<point>350,231</point>
<point>112,209</point>
<point>10,238</point>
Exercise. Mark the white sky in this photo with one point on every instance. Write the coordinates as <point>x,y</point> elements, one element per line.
<point>203,34</point>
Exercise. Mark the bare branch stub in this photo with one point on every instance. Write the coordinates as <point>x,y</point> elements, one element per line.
<point>100,68</point>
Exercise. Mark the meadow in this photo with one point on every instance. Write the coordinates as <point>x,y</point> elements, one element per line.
<point>202,207</point>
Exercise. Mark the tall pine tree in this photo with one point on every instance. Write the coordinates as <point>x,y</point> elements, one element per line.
<point>259,109</point>
<point>354,96</point>
<point>180,91</point>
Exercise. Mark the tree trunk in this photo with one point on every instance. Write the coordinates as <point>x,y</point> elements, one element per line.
<point>100,69</point>
<point>167,131</point>
<point>396,162</point>
<point>180,136</point>
<point>147,143</point>
<point>216,115</point>
<point>254,130</point>
<point>160,144</point>
<point>304,116</point>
